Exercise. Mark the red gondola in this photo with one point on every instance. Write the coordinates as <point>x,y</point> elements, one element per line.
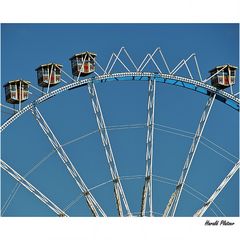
<point>49,75</point>
<point>16,91</point>
<point>225,78</point>
<point>83,63</point>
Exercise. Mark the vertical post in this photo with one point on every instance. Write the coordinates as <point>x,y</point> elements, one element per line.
<point>147,189</point>
<point>20,95</point>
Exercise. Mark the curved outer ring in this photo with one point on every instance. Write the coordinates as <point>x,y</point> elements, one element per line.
<point>191,84</point>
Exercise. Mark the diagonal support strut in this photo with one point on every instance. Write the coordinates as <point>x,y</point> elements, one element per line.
<point>174,199</point>
<point>118,190</point>
<point>207,204</point>
<point>91,201</point>
<point>147,189</point>
<point>32,189</point>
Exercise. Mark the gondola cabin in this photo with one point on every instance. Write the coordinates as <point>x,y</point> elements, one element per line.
<point>225,78</point>
<point>16,91</point>
<point>83,63</point>
<point>49,75</point>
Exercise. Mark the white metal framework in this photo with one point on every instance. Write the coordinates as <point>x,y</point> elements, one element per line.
<point>138,74</point>
<point>91,201</point>
<point>118,189</point>
<point>147,189</point>
<point>174,199</point>
<point>208,203</point>
<point>222,95</point>
<point>32,189</point>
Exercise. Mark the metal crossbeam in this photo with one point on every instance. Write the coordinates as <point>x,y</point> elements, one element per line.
<point>91,201</point>
<point>147,189</point>
<point>207,204</point>
<point>32,189</point>
<point>118,190</point>
<point>117,57</point>
<point>146,60</point>
<point>150,57</point>
<point>181,64</point>
<point>173,202</point>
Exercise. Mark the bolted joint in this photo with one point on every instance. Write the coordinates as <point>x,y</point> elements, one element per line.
<point>206,204</point>
<point>86,193</point>
<point>116,180</point>
<point>178,186</point>
<point>61,215</point>
<point>147,178</point>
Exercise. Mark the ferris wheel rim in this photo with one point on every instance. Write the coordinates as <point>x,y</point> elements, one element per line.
<point>157,77</point>
<point>194,85</point>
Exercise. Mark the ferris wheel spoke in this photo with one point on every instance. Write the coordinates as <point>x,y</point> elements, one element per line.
<point>147,189</point>
<point>174,199</point>
<point>32,189</point>
<point>91,202</point>
<point>118,189</point>
<point>208,203</point>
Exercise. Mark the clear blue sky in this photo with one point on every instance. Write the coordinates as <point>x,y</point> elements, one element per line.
<point>70,115</point>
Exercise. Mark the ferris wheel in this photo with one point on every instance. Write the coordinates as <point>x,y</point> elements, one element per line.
<point>86,73</point>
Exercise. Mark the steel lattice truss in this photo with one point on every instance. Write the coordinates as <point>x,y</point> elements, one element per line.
<point>118,190</point>
<point>207,204</point>
<point>173,202</point>
<point>32,189</point>
<point>138,73</point>
<point>91,201</point>
<point>147,189</point>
